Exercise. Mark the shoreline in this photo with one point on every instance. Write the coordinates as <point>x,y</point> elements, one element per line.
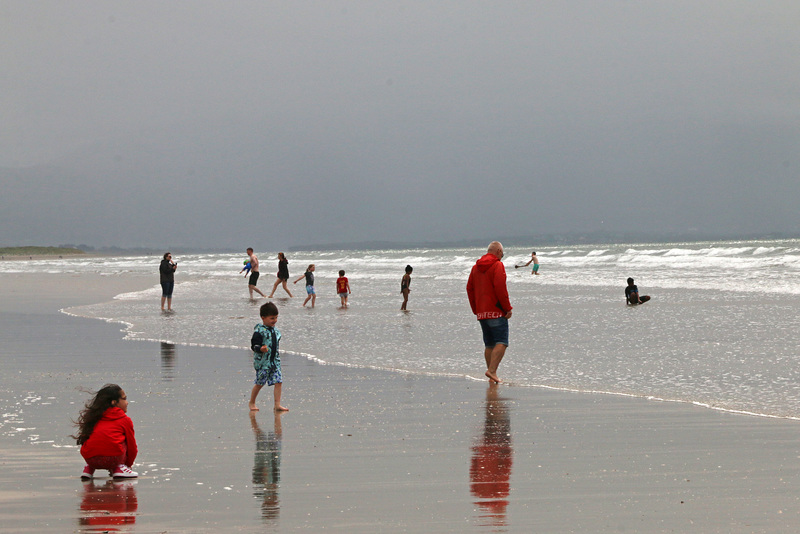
<point>361,450</point>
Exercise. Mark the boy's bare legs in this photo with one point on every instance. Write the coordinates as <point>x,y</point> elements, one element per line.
<point>277,392</point>
<point>253,395</point>
<point>494,355</point>
<point>306,301</point>
<point>313,299</point>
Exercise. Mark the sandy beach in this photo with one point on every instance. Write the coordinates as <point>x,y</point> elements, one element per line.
<point>360,450</point>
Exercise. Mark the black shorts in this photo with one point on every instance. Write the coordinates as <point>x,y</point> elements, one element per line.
<point>253,278</point>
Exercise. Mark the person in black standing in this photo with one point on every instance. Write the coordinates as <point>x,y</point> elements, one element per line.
<point>167,272</point>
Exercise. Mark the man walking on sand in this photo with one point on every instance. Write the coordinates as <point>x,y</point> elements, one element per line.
<point>488,297</point>
<point>254,274</point>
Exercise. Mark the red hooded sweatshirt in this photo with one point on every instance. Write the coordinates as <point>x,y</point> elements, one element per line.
<point>486,288</point>
<point>112,436</point>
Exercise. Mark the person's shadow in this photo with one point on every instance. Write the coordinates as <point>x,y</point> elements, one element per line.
<point>490,468</point>
<point>267,468</point>
<point>107,506</point>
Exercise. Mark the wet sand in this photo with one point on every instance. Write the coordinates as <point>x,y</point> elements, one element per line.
<point>360,450</point>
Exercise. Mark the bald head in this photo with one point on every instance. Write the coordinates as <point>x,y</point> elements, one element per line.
<point>496,248</point>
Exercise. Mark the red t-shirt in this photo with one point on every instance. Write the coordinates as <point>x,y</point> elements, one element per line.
<point>341,284</point>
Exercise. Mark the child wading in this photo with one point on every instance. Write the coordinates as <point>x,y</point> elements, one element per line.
<point>405,286</point>
<point>343,288</point>
<point>309,276</point>
<point>266,358</point>
<point>105,434</point>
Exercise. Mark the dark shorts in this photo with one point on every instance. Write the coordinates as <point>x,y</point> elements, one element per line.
<point>495,331</point>
<point>253,278</point>
<point>166,289</point>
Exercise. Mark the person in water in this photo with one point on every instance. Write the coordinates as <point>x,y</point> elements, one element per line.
<point>283,274</point>
<point>405,286</point>
<point>488,298</point>
<point>312,293</point>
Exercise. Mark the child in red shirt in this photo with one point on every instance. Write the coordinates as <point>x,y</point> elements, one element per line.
<point>342,288</point>
<point>105,433</point>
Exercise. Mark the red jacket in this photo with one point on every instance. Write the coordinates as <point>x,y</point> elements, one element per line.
<point>486,288</point>
<point>112,436</point>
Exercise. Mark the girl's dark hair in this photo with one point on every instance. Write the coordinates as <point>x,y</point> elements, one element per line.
<point>409,268</point>
<point>94,410</point>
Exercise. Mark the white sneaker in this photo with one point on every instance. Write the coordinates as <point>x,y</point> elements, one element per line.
<point>123,471</point>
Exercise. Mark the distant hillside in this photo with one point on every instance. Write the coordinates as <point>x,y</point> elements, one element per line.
<point>39,251</point>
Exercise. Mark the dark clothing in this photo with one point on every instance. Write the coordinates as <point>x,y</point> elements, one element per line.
<point>283,269</point>
<point>632,295</point>
<point>166,289</point>
<point>309,278</point>
<point>167,271</point>
<point>253,278</point>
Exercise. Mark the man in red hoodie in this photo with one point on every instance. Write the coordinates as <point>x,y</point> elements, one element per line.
<point>488,297</point>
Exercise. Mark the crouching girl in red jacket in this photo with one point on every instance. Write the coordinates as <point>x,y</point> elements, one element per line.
<point>105,433</point>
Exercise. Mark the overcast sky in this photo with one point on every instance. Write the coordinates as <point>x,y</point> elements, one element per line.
<point>220,123</point>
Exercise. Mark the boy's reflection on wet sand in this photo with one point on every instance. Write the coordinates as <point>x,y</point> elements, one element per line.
<point>267,468</point>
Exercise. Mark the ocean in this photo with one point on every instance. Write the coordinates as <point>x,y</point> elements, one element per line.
<point>720,330</point>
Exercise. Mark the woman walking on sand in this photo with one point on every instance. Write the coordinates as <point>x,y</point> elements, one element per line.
<point>283,274</point>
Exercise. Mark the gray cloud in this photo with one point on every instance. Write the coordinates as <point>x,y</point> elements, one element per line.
<point>213,123</point>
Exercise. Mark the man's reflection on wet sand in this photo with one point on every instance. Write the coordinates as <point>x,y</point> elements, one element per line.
<point>107,506</point>
<point>490,469</point>
<point>167,362</point>
<point>267,468</point>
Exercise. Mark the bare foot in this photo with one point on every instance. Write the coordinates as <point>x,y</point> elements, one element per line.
<point>493,377</point>
<point>280,408</point>
<point>253,408</point>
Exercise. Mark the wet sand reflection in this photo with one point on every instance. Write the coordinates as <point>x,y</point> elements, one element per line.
<point>167,362</point>
<point>107,506</point>
<point>490,468</point>
<point>267,468</point>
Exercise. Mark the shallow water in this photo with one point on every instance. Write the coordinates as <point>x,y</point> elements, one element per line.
<point>720,330</point>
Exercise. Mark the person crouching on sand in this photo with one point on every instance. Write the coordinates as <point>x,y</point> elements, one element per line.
<point>266,358</point>
<point>632,297</point>
<point>105,434</point>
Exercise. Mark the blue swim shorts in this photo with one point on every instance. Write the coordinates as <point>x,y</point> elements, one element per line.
<point>343,295</point>
<point>268,377</point>
<point>495,331</point>
<point>310,290</point>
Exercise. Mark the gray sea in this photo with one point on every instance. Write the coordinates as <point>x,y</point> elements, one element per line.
<point>720,330</point>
